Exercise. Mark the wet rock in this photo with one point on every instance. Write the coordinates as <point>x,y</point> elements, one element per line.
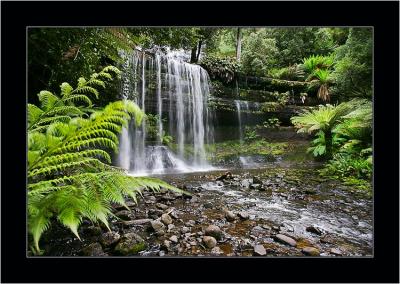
<point>327,240</point>
<point>314,230</point>
<point>335,251</point>
<point>92,231</point>
<point>257,231</point>
<point>194,199</point>
<point>94,249</point>
<point>227,175</point>
<point>243,215</point>
<point>161,253</point>
<point>310,191</point>
<point>130,244</point>
<point>124,215</point>
<point>170,227</point>
<point>259,250</point>
<point>173,239</point>
<point>230,216</point>
<point>256,180</point>
<point>209,241</point>
<point>310,251</point>
<point>245,183</point>
<point>109,238</point>
<point>155,213</point>
<point>167,244</point>
<point>166,219</point>
<point>285,239</point>
<point>256,186</point>
<point>213,231</point>
<point>266,227</point>
<point>208,205</point>
<point>158,227</point>
<point>137,222</point>
<point>161,206</point>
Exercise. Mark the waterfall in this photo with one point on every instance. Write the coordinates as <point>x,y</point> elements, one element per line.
<point>174,90</point>
<point>239,106</point>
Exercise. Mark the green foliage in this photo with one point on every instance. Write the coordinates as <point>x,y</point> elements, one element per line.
<point>69,176</point>
<point>250,134</point>
<point>270,123</point>
<point>347,165</point>
<point>353,67</point>
<point>292,73</point>
<point>221,68</point>
<point>258,53</point>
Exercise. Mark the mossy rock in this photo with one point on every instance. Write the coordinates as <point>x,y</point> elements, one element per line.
<point>130,244</point>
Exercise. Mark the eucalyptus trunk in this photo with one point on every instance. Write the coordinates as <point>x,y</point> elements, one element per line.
<point>238,44</point>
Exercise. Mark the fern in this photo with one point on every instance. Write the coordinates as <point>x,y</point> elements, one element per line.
<point>69,173</point>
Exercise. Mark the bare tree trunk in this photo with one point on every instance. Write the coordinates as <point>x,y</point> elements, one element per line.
<point>238,44</point>
<point>199,50</point>
<point>193,55</point>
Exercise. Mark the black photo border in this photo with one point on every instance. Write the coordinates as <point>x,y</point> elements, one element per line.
<point>382,16</point>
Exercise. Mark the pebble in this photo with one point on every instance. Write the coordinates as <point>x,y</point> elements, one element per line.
<point>230,216</point>
<point>161,206</point>
<point>335,251</point>
<point>243,215</point>
<point>259,250</point>
<point>285,239</point>
<point>209,241</point>
<point>166,219</point>
<point>213,231</point>
<point>217,251</point>
<point>109,238</point>
<point>173,239</point>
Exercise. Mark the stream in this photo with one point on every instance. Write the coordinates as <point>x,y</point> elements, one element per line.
<point>249,206</point>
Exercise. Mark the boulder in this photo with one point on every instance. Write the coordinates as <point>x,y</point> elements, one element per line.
<point>213,231</point>
<point>94,249</point>
<point>314,230</point>
<point>209,241</point>
<point>109,238</point>
<point>130,244</point>
<point>230,216</point>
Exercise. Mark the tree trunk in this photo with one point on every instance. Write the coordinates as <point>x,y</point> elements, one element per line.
<point>238,44</point>
<point>193,55</point>
<point>198,51</point>
<point>328,144</point>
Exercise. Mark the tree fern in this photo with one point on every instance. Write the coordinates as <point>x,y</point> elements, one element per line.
<point>69,173</point>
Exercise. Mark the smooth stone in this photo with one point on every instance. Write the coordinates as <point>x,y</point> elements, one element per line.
<point>166,219</point>
<point>217,251</point>
<point>213,231</point>
<point>335,251</point>
<point>209,241</point>
<point>130,244</point>
<point>260,250</point>
<point>170,227</point>
<point>243,215</point>
<point>285,239</point>
<point>310,251</point>
<point>109,238</point>
<point>230,216</point>
<point>137,222</point>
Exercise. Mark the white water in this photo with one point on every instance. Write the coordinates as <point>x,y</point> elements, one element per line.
<point>172,89</point>
<point>245,161</point>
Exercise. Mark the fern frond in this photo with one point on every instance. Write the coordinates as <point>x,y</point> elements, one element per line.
<point>47,100</point>
<point>86,89</point>
<point>78,98</point>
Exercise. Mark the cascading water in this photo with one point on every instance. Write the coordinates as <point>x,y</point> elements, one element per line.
<point>159,84</point>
